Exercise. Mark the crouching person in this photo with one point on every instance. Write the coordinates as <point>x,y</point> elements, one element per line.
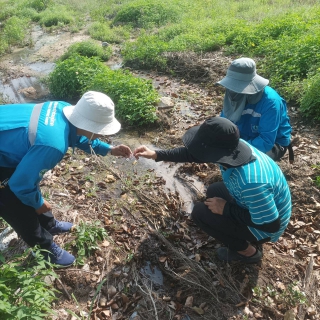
<point>251,206</point>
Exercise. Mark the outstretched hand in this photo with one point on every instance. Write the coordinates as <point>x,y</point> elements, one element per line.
<point>145,152</point>
<point>121,150</point>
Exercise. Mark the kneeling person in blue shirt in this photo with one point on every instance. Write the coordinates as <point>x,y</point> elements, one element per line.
<point>251,206</point>
<point>257,109</point>
<point>34,138</point>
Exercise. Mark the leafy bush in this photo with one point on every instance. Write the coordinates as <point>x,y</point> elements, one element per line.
<point>23,292</point>
<point>145,14</point>
<point>38,5</point>
<point>71,76</point>
<point>14,30</point>
<point>134,98</point>
<point>88,49</point>
<point>86,241</point>
<point>56,15</point>
<point>101,31</point>
<point>310,100</point>
<point>145,53</point>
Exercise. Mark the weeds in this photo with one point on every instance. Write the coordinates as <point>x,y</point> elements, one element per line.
<point>86,239</point>
<point>289,297</point>
<point>88,49</point>
<point>23,292</point>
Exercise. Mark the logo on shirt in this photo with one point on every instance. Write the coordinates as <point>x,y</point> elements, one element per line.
<point>254,128</point>
<point>51,114</point>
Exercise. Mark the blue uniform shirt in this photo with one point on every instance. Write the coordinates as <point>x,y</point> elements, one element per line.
<point>266,122</point>
<point>54,135</point>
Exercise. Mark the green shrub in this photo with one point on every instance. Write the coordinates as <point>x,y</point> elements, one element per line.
<point>38,5</point>
<point>71,76</point>
<point>135,98</point>
<point>86,239</point>
<point>14,30</point>
<point>310,100</point>
<point>88,49</point>
<point>101,31</point>
<point>145,14</point>
<point>23,292</point>
<point>3,44</point>
<point>145,53</point>
<point>55,16</point>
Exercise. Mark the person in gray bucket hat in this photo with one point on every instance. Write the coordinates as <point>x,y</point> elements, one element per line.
<point>252,205</point>
<point>257,109</point>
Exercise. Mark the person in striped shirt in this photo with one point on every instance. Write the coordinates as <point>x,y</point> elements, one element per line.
<point>251,206</point>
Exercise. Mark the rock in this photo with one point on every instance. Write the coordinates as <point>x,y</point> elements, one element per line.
<point>29,92</point>
<point>165,103</point>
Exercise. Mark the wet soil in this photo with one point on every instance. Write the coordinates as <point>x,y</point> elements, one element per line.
<point>155,263</point>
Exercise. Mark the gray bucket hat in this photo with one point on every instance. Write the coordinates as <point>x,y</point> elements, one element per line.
<point>217,140</point>
<point>242,77</point>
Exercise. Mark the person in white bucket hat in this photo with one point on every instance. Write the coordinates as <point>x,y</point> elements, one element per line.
<point>34,138</point>
<point>258,110</point>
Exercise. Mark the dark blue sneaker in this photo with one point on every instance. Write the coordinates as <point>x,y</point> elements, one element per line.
<point>60,227</point>
<point>228,255</point>
<point>61,258</point>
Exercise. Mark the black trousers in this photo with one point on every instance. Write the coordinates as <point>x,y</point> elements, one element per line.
<point>30,226</point>
<point>234,235</point>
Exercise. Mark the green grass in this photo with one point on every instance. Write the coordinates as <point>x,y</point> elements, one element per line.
<point>283,34</point>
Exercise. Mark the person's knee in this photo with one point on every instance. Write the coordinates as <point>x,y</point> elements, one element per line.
<point>198,210</point>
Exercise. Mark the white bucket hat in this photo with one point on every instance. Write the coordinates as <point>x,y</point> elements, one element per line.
<point>94,112</point>
<point>242,77</point>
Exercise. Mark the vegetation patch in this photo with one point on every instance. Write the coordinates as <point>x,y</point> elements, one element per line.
<point>135,98</point>
<point>23,292</point>
<point>146,14</point>
<point>88,49</point>
<point>103,32</point>
<point>56,16</point>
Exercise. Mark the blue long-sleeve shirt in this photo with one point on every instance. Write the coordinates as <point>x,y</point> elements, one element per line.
<point>266,122</point>
<point>54,135</point>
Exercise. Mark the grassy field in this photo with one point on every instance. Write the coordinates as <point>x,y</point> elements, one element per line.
<point>283,34</point>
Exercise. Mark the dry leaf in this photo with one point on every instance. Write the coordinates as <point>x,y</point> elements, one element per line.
<point>198,310</point>
<point>105,243</point>
<point>112,291</point>
<point>189,301</point>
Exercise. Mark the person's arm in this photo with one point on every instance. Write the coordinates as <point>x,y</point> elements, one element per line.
<point>180,154</point>
<point>102,148</point>
<point>268,126</point>
<point>25,180</point>
<point>98,146</point>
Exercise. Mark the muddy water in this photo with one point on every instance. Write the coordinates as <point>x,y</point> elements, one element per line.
<point>20,82</point>
<point>166,170</point>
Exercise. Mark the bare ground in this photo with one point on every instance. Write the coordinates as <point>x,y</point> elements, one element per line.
<point>155,263</point>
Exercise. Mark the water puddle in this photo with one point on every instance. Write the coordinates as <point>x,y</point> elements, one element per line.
<point>20,90</point>
<point>153,273</point>
<point>167,170</point>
